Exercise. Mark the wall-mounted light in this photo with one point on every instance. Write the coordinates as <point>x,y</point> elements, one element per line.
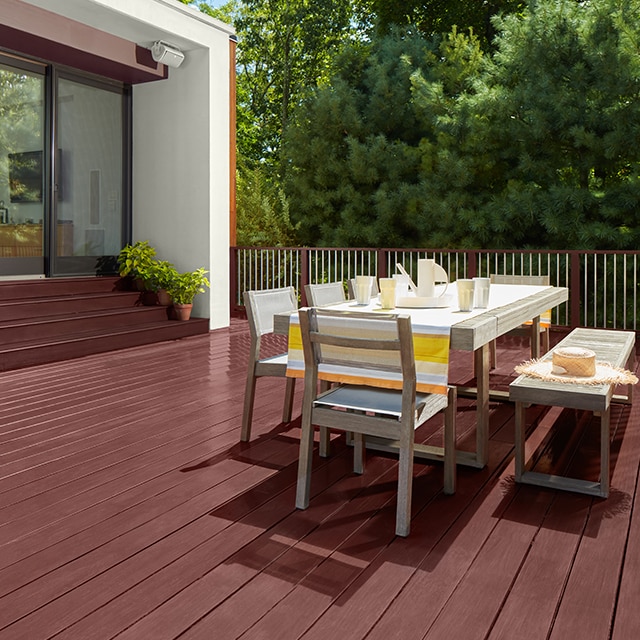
<point>166,53</point>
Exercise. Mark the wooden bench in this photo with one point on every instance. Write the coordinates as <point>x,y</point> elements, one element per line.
<point>615,347</point>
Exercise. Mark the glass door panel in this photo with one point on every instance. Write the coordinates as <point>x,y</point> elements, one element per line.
<point>22,170</point>
<point>88,170</point>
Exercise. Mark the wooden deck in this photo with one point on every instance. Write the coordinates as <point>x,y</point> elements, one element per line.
<point>128,509</point>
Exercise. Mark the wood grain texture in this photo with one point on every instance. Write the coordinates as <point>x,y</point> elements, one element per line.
<point>129,509</point>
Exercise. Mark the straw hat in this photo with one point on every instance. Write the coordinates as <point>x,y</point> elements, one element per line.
<point>576,365</point>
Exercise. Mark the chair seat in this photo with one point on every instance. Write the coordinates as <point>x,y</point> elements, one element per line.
<point>273,366</point>
<point>379,401</point>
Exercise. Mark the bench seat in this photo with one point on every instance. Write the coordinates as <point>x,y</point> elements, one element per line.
<point>615,347</point>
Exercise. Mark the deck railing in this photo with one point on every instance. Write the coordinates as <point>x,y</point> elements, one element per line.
<point>603,285</point>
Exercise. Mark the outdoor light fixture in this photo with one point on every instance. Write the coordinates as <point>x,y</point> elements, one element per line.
<point>166,53</point>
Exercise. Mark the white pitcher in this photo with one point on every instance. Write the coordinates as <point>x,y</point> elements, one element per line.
<point>429,272</point>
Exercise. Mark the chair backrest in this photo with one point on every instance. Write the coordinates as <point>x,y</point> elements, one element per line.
<point>320,295</point>
<point>359,348</point>
<point>498,278</point>
<point>262,305</point>
<point>351,286</point>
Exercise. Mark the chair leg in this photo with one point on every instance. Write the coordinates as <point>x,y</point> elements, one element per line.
<point>450,442</point>
<point>358,453</point>
<point>247,411</point>
<point>405,485</point>
<point>303,488</point>
<point>324,442</point>
<point>287,409</point>
<point>545,340</point>
<point>324,432</point>
<point>493,354</point>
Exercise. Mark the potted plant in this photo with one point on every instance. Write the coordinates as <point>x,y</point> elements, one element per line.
<point>160,275</point>
<point>135,260</point>
<point>183,290</point>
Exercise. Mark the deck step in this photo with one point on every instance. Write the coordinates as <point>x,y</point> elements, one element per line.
<point>23,308</point>
<point>33,352</point>
<point>53,319</point>
<point>48,287</point>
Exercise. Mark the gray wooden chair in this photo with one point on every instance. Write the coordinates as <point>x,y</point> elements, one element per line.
<point>351,288</point>
<point>365,409</point>
<point>261,307</point>
<point>321,295</point>
<point>527,329</point>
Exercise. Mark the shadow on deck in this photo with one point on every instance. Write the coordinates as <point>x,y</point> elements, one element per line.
<point>128,509</point>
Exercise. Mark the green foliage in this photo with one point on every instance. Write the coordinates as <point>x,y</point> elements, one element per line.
<point>263,211</point>
<point>543,152</point>
<point>435,17</point>
<point>356,156</point>
<point>135,260</point>
<point>415,143</point>
<point>160,274</point>
<point>185,286</point>
<point>285,48</point>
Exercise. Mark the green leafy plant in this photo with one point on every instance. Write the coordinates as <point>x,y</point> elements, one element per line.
<point>135,260</point>
<point>186,286</point>
<point>160,274</point>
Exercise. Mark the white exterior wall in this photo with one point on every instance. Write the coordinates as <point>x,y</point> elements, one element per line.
<point>180,137</point>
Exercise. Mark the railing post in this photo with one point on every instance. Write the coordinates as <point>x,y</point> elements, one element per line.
<point>304,274</point>
<point>382,263</point>
<point>473,264</point>
<point>233,277</point>
<point>574,291</point>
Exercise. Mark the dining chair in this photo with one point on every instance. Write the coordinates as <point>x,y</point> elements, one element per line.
<point>365,345</point>
<point>261,307</point>
<point>527,328</point>
<point>351,288</point>
<point>321,295</point>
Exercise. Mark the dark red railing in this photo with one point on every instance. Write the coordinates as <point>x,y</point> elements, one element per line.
<point>603,285</point>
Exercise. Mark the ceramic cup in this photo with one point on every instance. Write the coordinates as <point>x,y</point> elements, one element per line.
<point>481,292</point>
<point>363,289</point>
<point>465,294</point>
<point>387,293</point>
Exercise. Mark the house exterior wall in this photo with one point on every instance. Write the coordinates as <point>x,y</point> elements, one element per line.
<point>181,137</point>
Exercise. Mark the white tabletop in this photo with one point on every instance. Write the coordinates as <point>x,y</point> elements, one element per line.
<point>509,306</point>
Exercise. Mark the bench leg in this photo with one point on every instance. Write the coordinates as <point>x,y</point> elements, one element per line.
<point>604,452</point>
<point>519,440</point>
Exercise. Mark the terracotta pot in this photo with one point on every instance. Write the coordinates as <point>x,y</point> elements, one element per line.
<point>182,311</point>
<point>164,298</point>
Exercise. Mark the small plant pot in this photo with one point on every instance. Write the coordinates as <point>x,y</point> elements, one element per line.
<point>182,311</point>
<point>164,298</point>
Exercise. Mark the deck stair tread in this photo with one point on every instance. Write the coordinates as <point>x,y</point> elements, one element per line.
<point>54,319</point>
<point>25,308</point>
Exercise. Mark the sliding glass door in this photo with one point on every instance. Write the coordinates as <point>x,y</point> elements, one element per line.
<point>90,186</point>
<point>23,199</point>
<point>64,170</point>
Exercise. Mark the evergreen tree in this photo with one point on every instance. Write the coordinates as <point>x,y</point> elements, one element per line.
<point>357,154</point>
<point>544,152</point>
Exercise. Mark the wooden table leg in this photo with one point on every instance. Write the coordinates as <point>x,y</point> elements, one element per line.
<point>481,366</point>
<point>535,338</point>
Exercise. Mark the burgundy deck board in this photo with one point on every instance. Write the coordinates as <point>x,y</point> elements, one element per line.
<point>120,519</point>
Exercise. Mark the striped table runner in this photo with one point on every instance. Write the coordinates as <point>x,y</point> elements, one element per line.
<point>431,352</point>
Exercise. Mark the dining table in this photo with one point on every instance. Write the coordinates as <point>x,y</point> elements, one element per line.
<point>509,306</point>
